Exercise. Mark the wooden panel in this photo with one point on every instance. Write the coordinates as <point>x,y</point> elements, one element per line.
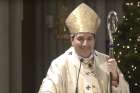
<point>28,47</point>
<point>4,47</point>
<point>15,46</point>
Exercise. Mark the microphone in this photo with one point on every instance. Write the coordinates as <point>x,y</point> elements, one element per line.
<point>76,91</point>
<point>89,65</point>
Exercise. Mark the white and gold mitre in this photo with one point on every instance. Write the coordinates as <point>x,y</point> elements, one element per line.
<point>83,19</point>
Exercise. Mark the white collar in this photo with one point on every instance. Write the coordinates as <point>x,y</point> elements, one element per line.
<point>86,59</point>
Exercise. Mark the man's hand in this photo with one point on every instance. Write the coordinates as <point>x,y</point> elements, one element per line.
<point>112,67</point>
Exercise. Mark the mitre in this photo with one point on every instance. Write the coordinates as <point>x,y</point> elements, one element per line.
<point>82,19</point>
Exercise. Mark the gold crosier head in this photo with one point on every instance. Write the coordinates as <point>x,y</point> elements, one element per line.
<point>83,19</point>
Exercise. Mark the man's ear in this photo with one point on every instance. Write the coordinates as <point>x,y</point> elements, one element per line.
<point>72,37</point>
<point>71,40</point>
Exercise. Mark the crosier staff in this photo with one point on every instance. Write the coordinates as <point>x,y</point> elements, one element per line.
<point>112,22</point>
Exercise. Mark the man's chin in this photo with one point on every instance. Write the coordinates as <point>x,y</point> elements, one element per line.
<point>86,55</point>
<point>87,51</point>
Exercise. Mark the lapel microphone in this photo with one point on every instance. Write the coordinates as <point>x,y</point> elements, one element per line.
<point>81,60</point>
<point>89,65</point>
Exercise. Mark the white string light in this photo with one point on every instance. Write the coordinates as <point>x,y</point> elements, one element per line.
<point>138,5</point>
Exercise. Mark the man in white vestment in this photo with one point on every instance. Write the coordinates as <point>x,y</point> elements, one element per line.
<point>82,69</point>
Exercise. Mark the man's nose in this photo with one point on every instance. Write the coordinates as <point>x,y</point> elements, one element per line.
<point>84,43</point>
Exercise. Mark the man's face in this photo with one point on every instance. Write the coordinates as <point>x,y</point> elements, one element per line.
<point>83,43</point>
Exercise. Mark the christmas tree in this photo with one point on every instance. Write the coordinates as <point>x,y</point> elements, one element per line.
<point>127,44</point>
